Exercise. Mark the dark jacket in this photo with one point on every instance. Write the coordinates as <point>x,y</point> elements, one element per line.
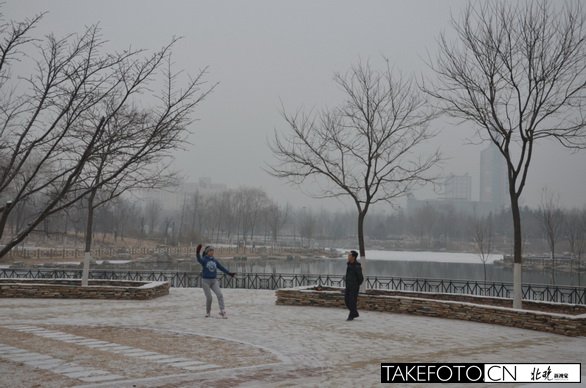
<point>354,276</point>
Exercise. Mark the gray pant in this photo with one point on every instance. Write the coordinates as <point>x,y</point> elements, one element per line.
<point>214,285</point>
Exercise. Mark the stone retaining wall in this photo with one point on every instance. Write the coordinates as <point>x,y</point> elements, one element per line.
<point>560,308</point>
<point>72,289</point>
<point>565,324</point>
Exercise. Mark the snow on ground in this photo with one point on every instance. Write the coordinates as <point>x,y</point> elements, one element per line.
<point>156,342</point>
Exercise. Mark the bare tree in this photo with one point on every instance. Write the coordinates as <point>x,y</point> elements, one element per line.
<point>195,209</point>
<point>248,204</point>
<point>363,149</point>
<point>517,71</point>
<point>552,223</point>
<point>137,144</point>
<point>576,235</point>
<point>39,124</point>
<point>153,212</point>
<point>222,215</point>
<point>124,212</point>
<point>425,220</point>
<point>256,201</point>
<point>484,238</point>
<point>76,128</point>
<point>307,226</point>
<point>276,219</point>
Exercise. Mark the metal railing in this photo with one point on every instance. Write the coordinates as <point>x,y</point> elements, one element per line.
<point>272,281</point>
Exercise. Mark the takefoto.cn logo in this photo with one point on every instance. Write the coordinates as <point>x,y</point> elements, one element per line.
<point>480,373</point>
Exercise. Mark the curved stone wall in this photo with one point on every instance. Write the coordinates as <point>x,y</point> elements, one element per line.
<point>565,324</point>
<point>72,289</point>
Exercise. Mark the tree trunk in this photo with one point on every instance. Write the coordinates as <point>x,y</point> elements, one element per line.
<point>88,240</point>
<point>5,212</point>
<point>65,227</point>
<point>361,246</point>
<point>517,254</point>
<point>553,263</point>
<point>180,233</point>
<point>579,271</point>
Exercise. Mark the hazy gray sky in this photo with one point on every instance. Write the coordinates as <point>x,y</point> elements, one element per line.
<point>265,52</point>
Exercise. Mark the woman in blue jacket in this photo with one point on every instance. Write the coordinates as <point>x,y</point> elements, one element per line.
<point>209,279</point>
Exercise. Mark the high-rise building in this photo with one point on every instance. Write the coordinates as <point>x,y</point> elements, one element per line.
<point>493,179</point>
<point>457,187</point>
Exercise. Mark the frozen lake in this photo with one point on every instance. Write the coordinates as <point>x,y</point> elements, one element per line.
<point>409,264</point>
<point>438,257</point>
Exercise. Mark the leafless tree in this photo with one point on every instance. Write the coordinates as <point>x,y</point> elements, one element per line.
<point>248,204</point>
<point>307,226</point>
<point>153,212</point>
<point>124,212</point>
<point>137,144</point>
<point>75,127</point>
<point>517,71</point>
<point>195,209</point>
<point>552,223</point>
<point>425,220</point>
<point>576,235</point>
<point>221,216</point>
<point>276,219</point>
<point>366,148</point>
<point>484,238</point>
<point>256,201</point>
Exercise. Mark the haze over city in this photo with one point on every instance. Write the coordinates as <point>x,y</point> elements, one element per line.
<point>160,168</point>
<point>266,55</point>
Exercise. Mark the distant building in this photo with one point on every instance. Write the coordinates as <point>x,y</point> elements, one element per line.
<point>456,192</point>
<point>462,206</point>
<point>457,187</point>
<point>493,179</point>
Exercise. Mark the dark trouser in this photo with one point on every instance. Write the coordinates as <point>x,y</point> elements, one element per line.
<point>351,298</point>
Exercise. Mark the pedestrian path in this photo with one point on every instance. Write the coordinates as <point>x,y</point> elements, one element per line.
<point>55,365</point>
<point>128,351</point>
<point>168,342</point>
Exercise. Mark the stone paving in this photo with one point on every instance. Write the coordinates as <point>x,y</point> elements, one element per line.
<point>167,342</point>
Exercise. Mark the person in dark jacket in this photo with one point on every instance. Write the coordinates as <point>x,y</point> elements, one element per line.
<point>354,279</point>
<point>209,279</point>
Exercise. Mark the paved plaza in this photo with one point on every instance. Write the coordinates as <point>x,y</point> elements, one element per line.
<point>167,342</point>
